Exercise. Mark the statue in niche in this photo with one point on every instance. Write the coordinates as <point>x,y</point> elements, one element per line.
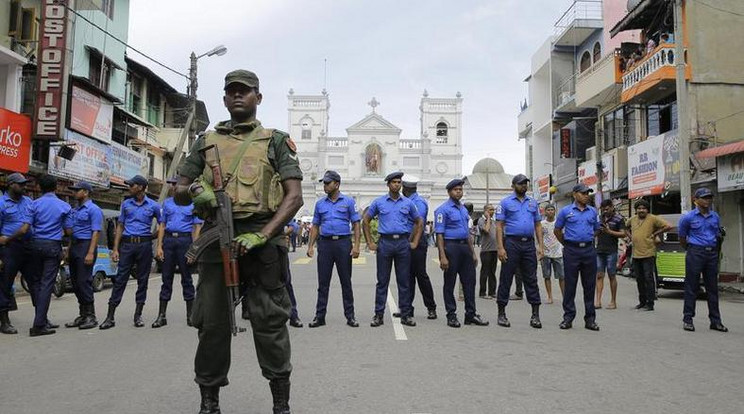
<point>373,158</point>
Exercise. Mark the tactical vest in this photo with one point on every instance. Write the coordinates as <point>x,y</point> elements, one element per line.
<point>256,186</point>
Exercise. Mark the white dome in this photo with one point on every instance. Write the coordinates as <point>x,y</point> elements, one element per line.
<point>488,166</point>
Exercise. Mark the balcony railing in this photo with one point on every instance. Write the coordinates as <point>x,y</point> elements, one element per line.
<point>579,10</point>
<point>409,144</point>
<point>663,57</point>
<point>337,142</point>
<point>610,57</point>
<point>565,92</point>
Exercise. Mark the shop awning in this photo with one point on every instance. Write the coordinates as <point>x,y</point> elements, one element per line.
<point>722,150</point>
<point>638,18</point>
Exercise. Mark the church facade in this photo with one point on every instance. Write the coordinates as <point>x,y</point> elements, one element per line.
<point>373,147</point>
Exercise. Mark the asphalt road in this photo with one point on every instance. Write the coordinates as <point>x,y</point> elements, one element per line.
<point>639,362</point>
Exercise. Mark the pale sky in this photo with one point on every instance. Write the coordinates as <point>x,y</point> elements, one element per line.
<point>389,49</point>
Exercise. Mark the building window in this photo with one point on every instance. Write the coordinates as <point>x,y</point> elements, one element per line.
<point>95,69</point>
<point>442,133</point>
<point>586,61</point>
<point>107,7</point>
<point>153,107</point>
<point>21,23</point>
<point>661,118</point>
<point>135,94</point>
<point>307,128</point>
<point>597,52</point>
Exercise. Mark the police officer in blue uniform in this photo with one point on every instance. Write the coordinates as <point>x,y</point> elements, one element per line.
<point>293,235</point>
<point>15,244</point>
<point>86,224</point>
<point>575,227</point>
<point>178,226</point>
<point>518,224</point>
<point>334,220</point>
<point>133,248</point>
<point>47,217</point>
<point>456,255</point>
<point>418,255</point>
<point>699,234</point>
<point>398,236</point>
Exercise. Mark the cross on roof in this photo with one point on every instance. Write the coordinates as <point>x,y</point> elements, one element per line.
<point>374,103</point>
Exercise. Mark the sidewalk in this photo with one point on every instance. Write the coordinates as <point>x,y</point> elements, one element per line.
<point>734,287</point>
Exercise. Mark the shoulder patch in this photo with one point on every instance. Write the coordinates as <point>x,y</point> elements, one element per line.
<point>440,218</point>
<point>499,209</point>
<point>291,144</point>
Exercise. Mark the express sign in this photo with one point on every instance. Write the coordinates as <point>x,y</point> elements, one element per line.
<point>48,114</point>
<point>15,141</point>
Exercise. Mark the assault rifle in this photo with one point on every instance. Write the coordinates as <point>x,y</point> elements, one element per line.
<point>223,232</point>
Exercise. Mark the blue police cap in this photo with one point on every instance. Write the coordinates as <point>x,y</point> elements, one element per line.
<point>138,180</point>
<point>455,183</point>
<point>81,185</point>
<point>582,188</point>
<point>330,176</point>
<point>411,181</point>
<point>703,192</point>
<point>519,179</point>
<point>16,178</point>
<point>172,180</point>
<point>394,175</point>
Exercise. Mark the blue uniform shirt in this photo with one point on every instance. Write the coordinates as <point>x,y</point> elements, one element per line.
<point>137,218</point>
<point>335,218</point>
<point>578,226</point>
<point>84,220</point>
<point>295,226</point>
<point>177,218</point>
<point>47,216</point>
<point>13,214</point>
<point>421,206</point>
<point>699,229</point>
<point>519,217</point>
<point>395,216</point>
<point>451,220</point>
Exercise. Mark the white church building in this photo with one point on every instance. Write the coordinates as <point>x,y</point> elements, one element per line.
<point>373,148</point>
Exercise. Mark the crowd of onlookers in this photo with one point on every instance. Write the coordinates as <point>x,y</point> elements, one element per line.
<point>647,45</point>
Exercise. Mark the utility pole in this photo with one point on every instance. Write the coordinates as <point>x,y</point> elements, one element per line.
<point>683,127</point>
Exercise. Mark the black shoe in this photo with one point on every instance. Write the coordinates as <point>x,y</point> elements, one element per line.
<point>89,320</point>
<point>565,325</point>
<point>34,331</point>
<point>407,321</point>
<point>476,320</point>
<point>77,321</point>
<point>648,308</point>
<point>138,322</point>
<point>109,321</point>
<point>432,314</point>
<point>5,326</point>
<point>688,326</point>
<point>316,322</point>
<point>503,321</point>
<point>640,306</point>
<point>453,323</point>
<point>396,314</point>
<point>210,400</point>
<point>295,322</point>
<point>718,327</point>
<point>592,326</point>
<point>51,325</point>
<point>352,322</point>
<point>160,320</point>
<point>377,320</point>
<point>535,322</point>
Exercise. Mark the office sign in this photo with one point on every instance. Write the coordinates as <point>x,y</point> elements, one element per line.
<point>50,77</point>
<point>730,172</point>
<point>654,166</point>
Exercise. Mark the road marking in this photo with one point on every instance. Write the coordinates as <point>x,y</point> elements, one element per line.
<point>361,260</point>
<point>400,334</point>
<point>70,295</point>
<point>303,260</point>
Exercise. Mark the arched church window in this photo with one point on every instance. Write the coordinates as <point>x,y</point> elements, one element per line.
<point>597,52</point>
<point>586,61</point>
<point>442,133</point>
<point>307,124</point>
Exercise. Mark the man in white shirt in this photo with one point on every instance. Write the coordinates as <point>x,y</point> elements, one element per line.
<point>552,261</point>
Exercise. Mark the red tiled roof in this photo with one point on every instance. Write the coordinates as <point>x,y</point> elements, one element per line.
<point>722,150</point>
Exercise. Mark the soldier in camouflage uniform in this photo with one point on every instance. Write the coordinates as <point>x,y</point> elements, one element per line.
<point>266,194</point>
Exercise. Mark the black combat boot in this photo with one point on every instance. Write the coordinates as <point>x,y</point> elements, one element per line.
<point>89,318</point>
<point>109,321</point>
<point>210,400</point>
<point>535,320</point>
<point>75,323</point>
<point>280,392</point>
<point>5,326</point>
<point>161,321</point>
<point>189,306</point>
<point>138,322</point>
<point>502,320</point>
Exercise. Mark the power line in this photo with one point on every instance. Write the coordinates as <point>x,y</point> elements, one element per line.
<point>123,42</point>
<point>720,9</point>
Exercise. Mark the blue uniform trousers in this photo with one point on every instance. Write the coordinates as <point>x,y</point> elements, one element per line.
<point>293,314</point>
<point>336,252</point>
<point>174,253</point>
<point>579,262</point>
<point>701,260</point>
<point>81,274</point>
<point>522,259</point>
<point>139,256</point>
<point>17,256</point>
<point>399,252</point>
<point>460,260</point>
<point>47,255</point>
<point>418,274</point>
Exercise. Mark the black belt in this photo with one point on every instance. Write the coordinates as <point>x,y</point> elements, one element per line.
<point>178,234</point>
<point>340,237</point>
<point>80,241</point>
<point>457,241</point>
<point>394,236</point>
<point>136,239</point>
<point>578,244</point>
<point>706,248</point>
<point>520,238</point>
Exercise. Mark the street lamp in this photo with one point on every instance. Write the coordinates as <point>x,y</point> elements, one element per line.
<point>193,84</point>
